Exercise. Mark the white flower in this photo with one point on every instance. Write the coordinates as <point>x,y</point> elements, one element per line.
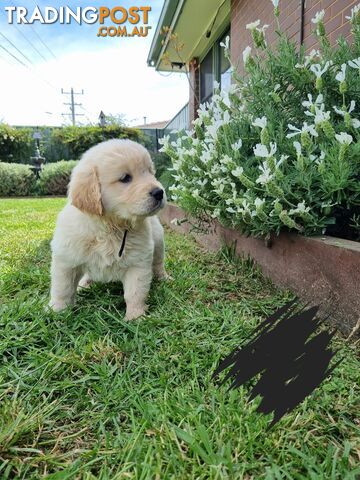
<point>230,210</point>
<point>354,12</point>
<point>260,122</point>
<point>301,208</point>
<point>263,28</point>
<point>344,138</point>
<point>212,130</point>
<point>261,150</point>
<point>232,88</point>
<point>320,115</point>
<point>245,204</point>
<point>266,175</point>
<point>226,117</point>
<point>309,58</point>
<point>226,99</point>
<point>319,17</point>
<point>216,213</point>
<point>205,156</point>
<point>305,129</point>
<point>246,54</point>
<point>340,77</point>
<point>253,25</point>
<point>202,183</point>
<point>310,103</point>
<point>318,160</point>
<point>195,193</point>
<point>238,172</point>
<point>237,145</point>
<point>216,85</point>
<point>225,160</point>
<point>203,111</point>
<point>319,72</point>
<point>259,202</point>
<point>355,63</point>
<point>275,3</point>
<point>314,53</point>
<point>298,149</point>
<point>165,141</point>
<point>354,121</point>
<point>226,44</point>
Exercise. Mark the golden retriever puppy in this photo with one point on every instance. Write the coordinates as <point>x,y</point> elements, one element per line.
<point>109,231</point>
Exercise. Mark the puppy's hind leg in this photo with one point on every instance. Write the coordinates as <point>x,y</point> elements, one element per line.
<point>85,282</point>
<point>64,280</point>
<point>159,250</point>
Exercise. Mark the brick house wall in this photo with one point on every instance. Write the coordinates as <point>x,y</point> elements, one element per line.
<point>247,11</point>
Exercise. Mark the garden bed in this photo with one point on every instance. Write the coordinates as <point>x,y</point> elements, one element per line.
<point>321,270</point>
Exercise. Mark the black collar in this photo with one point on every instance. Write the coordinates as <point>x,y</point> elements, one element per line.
<point>123,243</point>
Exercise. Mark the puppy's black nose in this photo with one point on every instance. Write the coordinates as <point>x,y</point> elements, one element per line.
<point>157,193</point>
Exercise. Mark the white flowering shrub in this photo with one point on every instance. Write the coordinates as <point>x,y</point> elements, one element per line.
<point>280,149</point>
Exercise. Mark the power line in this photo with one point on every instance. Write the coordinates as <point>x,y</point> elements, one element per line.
<point>27,66</point>
<point>14,46</point>
<point>27,40</point>
<point>38,36</point>
<point>6,60</point>
<point>41,40</point>
<point>17,59</point>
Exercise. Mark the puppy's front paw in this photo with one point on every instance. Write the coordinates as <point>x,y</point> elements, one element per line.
<point>58,306</point>
<point>132,313</point>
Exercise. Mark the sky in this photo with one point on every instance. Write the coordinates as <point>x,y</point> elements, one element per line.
<point>112,71</point>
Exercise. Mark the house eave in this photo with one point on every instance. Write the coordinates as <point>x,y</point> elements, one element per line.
<point>167,18</point>
<point>196,24</point>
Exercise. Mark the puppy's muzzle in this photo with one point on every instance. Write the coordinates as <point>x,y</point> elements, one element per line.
<point>157,193</point>
<point>158,197</point>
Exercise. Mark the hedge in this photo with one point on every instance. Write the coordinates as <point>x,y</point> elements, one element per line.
<point>16,180</point>
<point>74,141</point>
<point>18,146</point>
<point>19,180</point>
<point>55,177</point>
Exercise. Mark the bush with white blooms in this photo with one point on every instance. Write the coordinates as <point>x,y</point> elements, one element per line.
<point>280,148</point>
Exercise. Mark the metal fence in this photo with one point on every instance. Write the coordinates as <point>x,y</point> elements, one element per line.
<point>179,122</point>
<point>176,124</point>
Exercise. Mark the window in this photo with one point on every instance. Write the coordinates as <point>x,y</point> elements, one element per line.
<point>206,77</point>
<point>224,64</point>
<point>214,67</point>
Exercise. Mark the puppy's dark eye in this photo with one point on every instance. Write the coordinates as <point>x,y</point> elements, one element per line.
<point>126,178</point>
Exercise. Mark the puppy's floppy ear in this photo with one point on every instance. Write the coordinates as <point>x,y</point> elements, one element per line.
<point>85,192</point>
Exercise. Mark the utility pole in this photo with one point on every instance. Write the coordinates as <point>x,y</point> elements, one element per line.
<point>73,105</point>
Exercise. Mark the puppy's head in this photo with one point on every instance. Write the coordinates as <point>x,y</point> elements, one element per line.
<point>116,177</point>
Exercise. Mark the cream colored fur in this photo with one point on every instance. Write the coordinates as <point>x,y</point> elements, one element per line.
<point>90,229</point>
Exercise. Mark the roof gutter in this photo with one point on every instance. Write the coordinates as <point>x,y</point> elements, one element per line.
<point>168,18</point>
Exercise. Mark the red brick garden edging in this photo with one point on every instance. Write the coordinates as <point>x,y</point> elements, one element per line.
<point>322,270</point>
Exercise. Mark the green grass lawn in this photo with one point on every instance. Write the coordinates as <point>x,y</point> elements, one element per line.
<point>85,395</point>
